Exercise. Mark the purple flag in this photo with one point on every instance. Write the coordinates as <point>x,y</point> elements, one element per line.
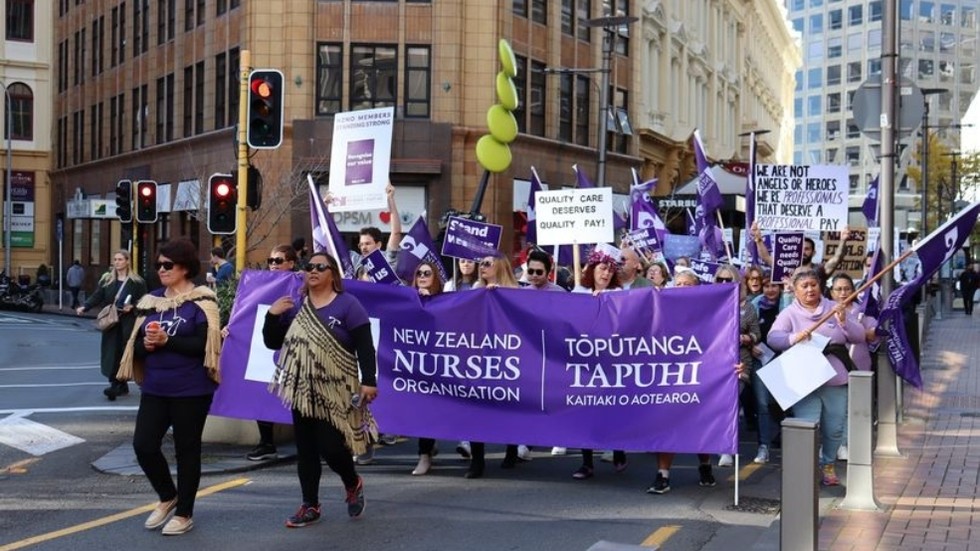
<point>532,221</point>
<point>247,365</point>
<point>750,200</point>
<point>326,236</point>
<point>643,211</point>
<point>416,246</point>
<point>581,179</point>
<point>933,252</point>
<point>871,297</point>
<point>708,193</point>
<point>870,205</point>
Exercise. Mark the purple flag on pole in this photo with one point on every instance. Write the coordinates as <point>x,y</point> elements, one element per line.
<point>708,193</point>
<point>933,252</point>
<point>416,246</point>
<point>750,200</point>
<point>870,205</point>
<point>581,179</point>
<point>326,236</point>
<point>532,221</point>
<point>643,211</point>
<point>871,297</point>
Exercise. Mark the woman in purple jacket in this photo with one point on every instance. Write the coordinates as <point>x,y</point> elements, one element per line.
<point>828,403</point>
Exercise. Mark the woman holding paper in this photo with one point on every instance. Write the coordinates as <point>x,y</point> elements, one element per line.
<point>828,403</point>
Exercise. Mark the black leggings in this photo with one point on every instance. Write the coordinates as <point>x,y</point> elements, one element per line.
<point>187,416</point>
<point>316,438</point>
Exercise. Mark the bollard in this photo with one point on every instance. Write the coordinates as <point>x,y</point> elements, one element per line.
<point>860,483</point>
<point>799,515</point>
<point>887,442</point>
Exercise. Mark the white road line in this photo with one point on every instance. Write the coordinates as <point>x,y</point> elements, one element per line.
<point>52,368</point>
<point>34,438</point>
<point>52,385</point>
<point>79,409</point>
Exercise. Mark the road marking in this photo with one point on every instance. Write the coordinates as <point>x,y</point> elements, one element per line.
<point>67,410</point>
<point>746,471</point>
<point>656,539</point>
<point>52,385</point>
<point>19,467</point>
<point>113,518</point>
<point>36,439</point>
<point>52,368</point>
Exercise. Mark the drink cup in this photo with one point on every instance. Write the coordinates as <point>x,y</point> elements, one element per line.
<point>153,327</point>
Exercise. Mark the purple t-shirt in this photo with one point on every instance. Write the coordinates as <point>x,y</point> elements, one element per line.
<point>342,315</point>
<point>171,374</point>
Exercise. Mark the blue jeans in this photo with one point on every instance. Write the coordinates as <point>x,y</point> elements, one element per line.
<point>767,428</point>
<point>828,406</point>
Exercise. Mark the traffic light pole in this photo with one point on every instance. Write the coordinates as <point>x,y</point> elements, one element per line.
<point>245,67</point>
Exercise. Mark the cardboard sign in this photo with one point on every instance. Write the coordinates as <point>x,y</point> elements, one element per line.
<point>787,254</point>
<point>855,251</point>
<point>471,240</point>
<point>801,197</point>
<point>360,158</point>
<point>567,216</point>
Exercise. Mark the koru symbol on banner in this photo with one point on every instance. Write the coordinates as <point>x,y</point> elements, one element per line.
<point>418,250</point>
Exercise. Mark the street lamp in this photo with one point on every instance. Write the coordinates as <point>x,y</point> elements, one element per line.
<point>926,92</point>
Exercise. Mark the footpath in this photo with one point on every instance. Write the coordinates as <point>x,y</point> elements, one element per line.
<point>929,495</point>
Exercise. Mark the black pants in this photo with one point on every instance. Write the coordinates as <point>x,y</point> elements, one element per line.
<point>74,296</point>
<point>186,415</point>
<point>265,433</point>
<point>426,445</point>
<point>968,301</point>
<point>316,438</point>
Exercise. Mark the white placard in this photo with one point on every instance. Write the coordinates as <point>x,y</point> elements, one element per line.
<point>801,197</point>
<point>360,159</point>
<point>797,372</point>
<point>567,216</point>
<point>261,360</point>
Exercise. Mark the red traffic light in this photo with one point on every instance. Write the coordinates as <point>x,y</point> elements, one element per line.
<point>146,201</point>
<point>265,109</point>
<point>262,88</point>
<point>222,189</point>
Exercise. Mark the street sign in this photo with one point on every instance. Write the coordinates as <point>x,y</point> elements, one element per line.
<point>867,107</point>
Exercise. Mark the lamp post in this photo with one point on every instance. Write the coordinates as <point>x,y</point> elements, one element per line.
<point>8,205</point>
<point>926,92</point>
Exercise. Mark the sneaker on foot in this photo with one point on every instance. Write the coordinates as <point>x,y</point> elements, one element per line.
<point>389,439</point>
<point>178,526</point>
<point>583,473</point>
<point>842,453</point>
<point>160,515</point>
<point>524,453</point>
<point>463,449</point>
<point>307,514</point>
<point>366,458</point>
<point>262,452</point>
<point>661,485</point>
<point>558,450</point>
<point>355,499</point>
<point>706,478</point>
<point>726,460</point>
<point>763,455</point>
<point>829,475</point>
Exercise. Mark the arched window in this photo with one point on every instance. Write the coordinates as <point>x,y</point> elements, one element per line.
<point>22,111</point>
<point>20,20</point>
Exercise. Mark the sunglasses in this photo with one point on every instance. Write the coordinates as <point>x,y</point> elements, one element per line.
<point>318,266</point>
<point>167,266</point>
<point>275,260</point>
<point>423,273</point>
<point>723,280</point>
<point>486,264</point>
<point>534,271</point>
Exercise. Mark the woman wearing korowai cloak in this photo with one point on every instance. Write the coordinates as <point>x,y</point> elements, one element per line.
<point>325,341</point>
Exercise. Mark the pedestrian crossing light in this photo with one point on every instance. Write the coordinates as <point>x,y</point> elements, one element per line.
<point>265,112</point>
<point>124,201</point>
<point>222,203</point>
<point>146,202</point>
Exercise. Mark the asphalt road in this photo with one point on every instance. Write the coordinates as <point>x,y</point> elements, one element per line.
<point>55,423</point>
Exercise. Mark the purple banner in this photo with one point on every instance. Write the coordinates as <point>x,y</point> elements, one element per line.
<point>470,239</point>
<point>640,370</point>
<point>247,365</point>
<point>787,254</point>
<point>379,269</point>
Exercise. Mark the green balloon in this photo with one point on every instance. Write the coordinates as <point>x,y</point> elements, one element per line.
<point>506,91</point>
<point>502,124</point>
<point>493,155</point>
<point>507,59</point>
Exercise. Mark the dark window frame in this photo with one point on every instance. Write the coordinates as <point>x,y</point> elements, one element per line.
<point>20,20</point>
<point>369,97</point>
<point>21,112</point>
<point>329,92</point>
<point>426,71</point>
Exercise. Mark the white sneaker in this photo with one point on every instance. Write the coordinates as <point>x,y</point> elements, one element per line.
<point>365,458</point>
<point>763,455</point>
<point>726,460</point>
<point>842,453</point>
<point>558,450</point>
<point>524,453</point>
<point>463,449</point>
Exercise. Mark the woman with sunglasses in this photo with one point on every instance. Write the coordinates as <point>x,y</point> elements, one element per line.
<point>326,373</point>
<point>428,283</point>
<point>283,258</point>
<point>124,289</point>
<point>173,355</point>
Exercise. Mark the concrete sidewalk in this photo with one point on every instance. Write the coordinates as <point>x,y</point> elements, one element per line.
<point>929,495</point>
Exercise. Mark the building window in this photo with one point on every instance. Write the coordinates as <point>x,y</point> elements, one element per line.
<point>20,20</point>
<point>927,12</point>
<point>21,112</point>
<point>874,11</point>
<point>98,45</point>
<point>926,68</point>
<point>814,106</point>
<point>833,102</point>
<point>568,17</point>
<point>188,117</point>
<point>539,11</point>
<point>139,121</point>
<point>814,78</point>
<point>816,23</point>
<point>199,98</point>
<point>622,34</point>
<point>854,71</point>
<point>141,26</point>
<point>833,75</point>
<point>96,127</point>
<point>520,82</point>
<point>565,101</point>
<point>417,81</point>
<point>121,37</point>
<point>536,99</point>
<point>834,47</point>
<point>166,20</point>
<point>63,65</point>
<point>373,76</point>
<point>619,141</point>
<point>835,20</point>
<point>200,12</point>
<point>329,77</point>
<point>233,79</point>
<point>583,88</point>
<point>165,109</point>
<point>77,127</point>
<point>117,106</point>
<point>189,15</point>
<point>583,13</point>
<point>220,90</point>
<point>874,67</point>
<point>519,7</point>
<point>855,14</point>
<point>222,7</point>
<point>62,139</point>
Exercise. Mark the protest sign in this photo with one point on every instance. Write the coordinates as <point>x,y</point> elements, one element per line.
<point>567,216</point>
<point>677,245</point>
<point>470,240</point>
<point>359,159</point>
<point>787,255</point>
<point>855,251</point>
<point>705,269</point>
<point>543,368</point>
<point>801,197</point>
<point>379,269</point>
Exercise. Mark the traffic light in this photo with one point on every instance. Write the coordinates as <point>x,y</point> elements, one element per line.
<point>124,201</point>
<point>265,112</point>
<point>146,202</point>
<point>222,204</point>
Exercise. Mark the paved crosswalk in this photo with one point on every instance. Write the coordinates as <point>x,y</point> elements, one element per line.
<point>34,438</point>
